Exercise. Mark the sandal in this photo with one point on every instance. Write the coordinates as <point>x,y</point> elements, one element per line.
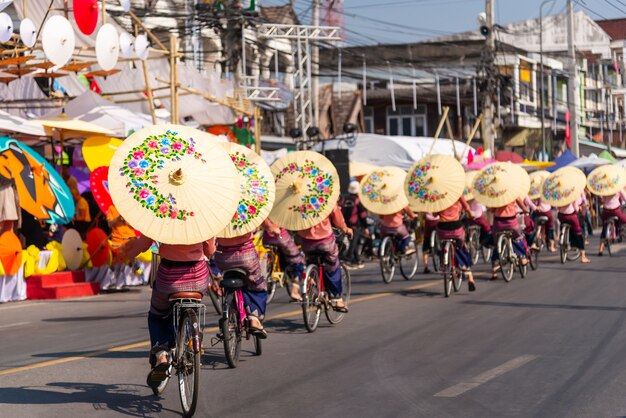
<point>160,372</point>
<point>254,330</point>
<point>342,309</point>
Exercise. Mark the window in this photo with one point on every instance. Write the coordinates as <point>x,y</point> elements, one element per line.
<point>407,121</point>
<point>369,120</point>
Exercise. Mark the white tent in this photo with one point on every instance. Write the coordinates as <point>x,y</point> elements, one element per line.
<point>398,151</point>
<point>91,107</point>
<point>590,161</point>
<point>15,124</point>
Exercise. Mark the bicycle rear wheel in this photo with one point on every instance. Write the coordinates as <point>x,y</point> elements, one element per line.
<point>272,259</point>
<point>258,346</point>
<point>231,332</point>
<point>564,243</point>
<point>215,300</point>
<point>474,246</point>
<point>485,253</point>
<point>408,265</point>
<point>434,251</point>
<point>610,237</point>
<point>533,258</point>
<point>387,262</point>
<point>311,304</point>
<point>188,361</point>
<point>333,316</point>
<point>506,265</point>
<point>447,268</point>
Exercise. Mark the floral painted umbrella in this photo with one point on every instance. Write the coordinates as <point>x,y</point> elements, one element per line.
<point>175,184</point>
<point>607,180</point>
<point>563,186</point>
<point>468,192</point>
<point>536,183</point>
<point>381,191</point>
<point>435,183</point>
<point>499,184</point>
<point>258,191</point>
<point>307,190</point>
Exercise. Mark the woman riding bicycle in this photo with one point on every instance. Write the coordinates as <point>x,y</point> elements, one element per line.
<point>321,239</point>
<point>430,225</point>
<point>394,225</point>
<point>239,252</point>
<point>480,219</point>
<point>612,208</point>
<point>545,210</point>
<point>292,256</point>
<point>450,226</point>
<point>505,219</point>
<point>183,268</point>
<point>569,215</point>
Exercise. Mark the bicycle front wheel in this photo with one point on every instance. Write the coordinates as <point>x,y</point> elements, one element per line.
<point>387,266</point>
<point>610,238</point>
<point>333,316</point>
<point>474,246</point>
<point>311,304</point>
<point>269,272</point>
<point>215,301</point>
<point>231,332</point>
<point>506,257</point>
<point>408,265</point>
<point>434,251</point>
<point>188,361</point>
<point>447,268</point>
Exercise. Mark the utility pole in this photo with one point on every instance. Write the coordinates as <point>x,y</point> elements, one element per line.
<point>315,66</point>
<point>573,80</point>
<point>489,73</point>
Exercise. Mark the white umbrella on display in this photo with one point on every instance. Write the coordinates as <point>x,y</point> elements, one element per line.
<point>590,161</point>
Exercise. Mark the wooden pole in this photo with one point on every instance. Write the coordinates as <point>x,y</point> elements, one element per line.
<point>472,134</point>
<point>451,135</point>
<point>442,121</point>
<point>104,12</point>
<point>174,78</point>
<point>257,129</point>
<point>150,34</point>
<point>146,80</point>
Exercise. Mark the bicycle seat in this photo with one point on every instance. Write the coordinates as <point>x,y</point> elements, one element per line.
<point>542,219</point>
<point>234,279</point>
<point>185,295</point>
<point>613,219</point>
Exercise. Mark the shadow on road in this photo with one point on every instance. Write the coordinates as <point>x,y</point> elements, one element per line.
<point>547,306</point>
<point>97,354</point>
<point>94,318</point>
<point>420,293</point>
<point>122,398</point>
<point>286,326</point>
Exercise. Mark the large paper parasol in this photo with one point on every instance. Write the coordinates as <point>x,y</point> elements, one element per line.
<point>98,151</point>
<point>86,15</point>
<point>42,191</point>
<point>499,184</point>
<point>606,180</point>
<point>468,192</point>
<point>258,191</point>
<point>563,186</point>
<point>358,169</point>
<point>175,184</point>
<point>71,128</point>
<point>434,183</point>
<point>99,181</point>
<point>382,191</point>
<point>10,253</point>
<point>536,183</point>
<point>307,190</point>
<point>98,247</point>
<point>72,249</point>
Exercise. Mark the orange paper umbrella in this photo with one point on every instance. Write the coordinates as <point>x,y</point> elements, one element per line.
<point>220,130</point>
<point>10,253</point>
<point>98,247</point>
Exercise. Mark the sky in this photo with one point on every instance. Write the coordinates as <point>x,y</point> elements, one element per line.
<point>398,21</point>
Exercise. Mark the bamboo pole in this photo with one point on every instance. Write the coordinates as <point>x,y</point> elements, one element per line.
<point>472,134</point>
<point>104,12</point>
<point>164,97</point>
<point>148,32</point>
<point>146,79</point>
<point>257,129</point>
<point>442,121</point>
<point>451,135</point>
<point>174,79</point>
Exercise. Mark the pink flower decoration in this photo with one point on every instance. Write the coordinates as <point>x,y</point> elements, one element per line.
<point>144,193</point>
<point>252,210</point>
<point>163,209</point>
<point>139,172</point>
<point>174,214</point>
<point>152,144</point>
<point>241,164</point>
<point>177,146</point>
<point>138,155</point>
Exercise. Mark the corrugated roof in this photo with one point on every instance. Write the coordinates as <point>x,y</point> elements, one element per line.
<point>615,28</point>
<point>284,15</point>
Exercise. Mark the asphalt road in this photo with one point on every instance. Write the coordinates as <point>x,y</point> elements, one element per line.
<point>551,345</point>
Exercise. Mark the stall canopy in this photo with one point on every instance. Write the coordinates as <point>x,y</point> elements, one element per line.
<point>562,160</point>
<point>589,162</point>
<point>93,108</point>
<point>397,151</point>
<point>11,123</point>
<point>70,128</point>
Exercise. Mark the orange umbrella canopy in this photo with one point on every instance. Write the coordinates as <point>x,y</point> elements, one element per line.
<point>222,130</point>
<point>10,253</point>
<point>98,247</point>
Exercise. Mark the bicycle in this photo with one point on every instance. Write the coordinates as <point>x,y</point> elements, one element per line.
<point>452,276</point>
<point>509,261</point>
<point>390,257</point>
<point>540,241</point>
<point>234,324</point>
<point>611,234</point>
<point>275,275</point>
<point>435,250</point>
<point>476,248</point>
<point>566,251</point>
<point>314,295</point>
<point>187,310</point>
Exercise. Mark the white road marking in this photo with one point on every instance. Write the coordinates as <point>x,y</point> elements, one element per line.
<point>16,324</point>
<point>20,305</point>
<point>459,389</point>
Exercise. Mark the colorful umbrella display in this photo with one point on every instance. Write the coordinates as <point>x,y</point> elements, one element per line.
<point>307,190</point>
<point>10,253</point>
<point>86,15</point>
<point>434,183</point>
<point>98,151</point>
<point>536,183</point>
<point>99,182</point>
<point>606,180</point>
<point>175,184</point>
<point>382,191</point>
<point>98,247</point>
<point>258,191</point>
<point>499,184</point>
<point>563,186</point>
<point>42,191</point>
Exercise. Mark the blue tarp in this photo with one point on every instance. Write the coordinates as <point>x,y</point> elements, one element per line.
<point>562,160</point>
